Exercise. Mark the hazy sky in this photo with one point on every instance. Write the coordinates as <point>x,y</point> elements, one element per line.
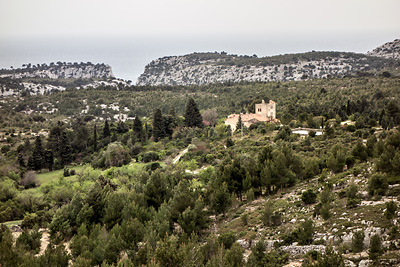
<point>189,17</point>
<point>128,34</point>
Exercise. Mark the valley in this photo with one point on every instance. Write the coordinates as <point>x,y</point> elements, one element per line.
<point>99,172</point>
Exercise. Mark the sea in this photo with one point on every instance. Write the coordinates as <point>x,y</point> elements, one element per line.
<point>128,55</point>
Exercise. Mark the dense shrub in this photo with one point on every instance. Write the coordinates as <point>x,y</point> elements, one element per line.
<point>150,156</point>
<point>377,184</point>
<point>308,197</point>
<point>227,239</point>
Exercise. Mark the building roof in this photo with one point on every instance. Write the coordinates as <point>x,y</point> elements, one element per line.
<point>249,117</point>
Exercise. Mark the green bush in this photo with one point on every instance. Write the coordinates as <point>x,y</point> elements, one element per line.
<point>351,128</point>
<point>325,211</point>
<point>309,197</point>
<point>391,209</point>
<point>30,240</point>
<point>66,172</point>
<point>150,156</point>
<point>153,166</point>
<point>357,242</point>
<point>227,239</point>
<point>377,184</point>
<point>305,233</point>
<point>375,248</point>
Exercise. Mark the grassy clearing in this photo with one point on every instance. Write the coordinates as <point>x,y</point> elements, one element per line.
<point>12,223</point>
<point>131,169</point>
<point>48,177</point>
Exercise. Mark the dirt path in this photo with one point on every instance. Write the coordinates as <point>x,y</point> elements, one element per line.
<point>177,158</point>
<point>44,241</point>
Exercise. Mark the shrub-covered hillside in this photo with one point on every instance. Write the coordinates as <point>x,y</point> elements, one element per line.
<point>175,187</point>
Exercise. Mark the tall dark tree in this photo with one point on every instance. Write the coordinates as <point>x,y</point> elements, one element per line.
<point>54,139</point>
<point>393,110</point>
<point>94,138</point>
<point>48,159</point>
<point>106,130</point>
<point>122,127</point>
<point>239,124</point>
<point>80,137</point>
<point>172,112</point>
<point>138,127</point>
<point>158,125</point>
<point>169,125</point>
<point>66,150</point>
<point>38,154</point>
<point>146,132</point>
<point>21,161</point>
<point>192,116</point>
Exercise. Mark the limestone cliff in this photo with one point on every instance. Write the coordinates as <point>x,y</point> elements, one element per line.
<point>388,50</point>
<point>45,79</point>
<point>203,68</point>
<point>60,71</point>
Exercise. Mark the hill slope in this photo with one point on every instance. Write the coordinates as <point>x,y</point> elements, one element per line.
<point>388,50</point>
<point>44,79</point>
<point>203,68</point>
<point>61,70</point>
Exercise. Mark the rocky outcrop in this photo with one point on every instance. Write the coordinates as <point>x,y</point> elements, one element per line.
<point>46,79</point>
<point>295,250</point>
<point>18,88</point>
<point>204,68</point>
<point>389,50</point>
<point>60,71</point>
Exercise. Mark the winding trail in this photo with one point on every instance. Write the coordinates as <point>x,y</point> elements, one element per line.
<point>177,158</point>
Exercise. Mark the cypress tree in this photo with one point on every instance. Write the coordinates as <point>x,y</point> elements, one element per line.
<point>38,155</point>
<point>21,161</point>
<point>94,138</point>
<point>106,130</point>
<point>138,127</point>
<point>49,159</point>
<point>192,116</point>
<point>172,113</point>
<point>239,123</point>
<point>66,150</point>
<point>158,125</point>
<point>146,132</point>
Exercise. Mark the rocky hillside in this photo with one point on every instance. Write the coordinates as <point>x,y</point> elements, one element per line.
<point>203,68</point>
<point>388,50</point>
<point>61,70</point>
<point>45,79</point>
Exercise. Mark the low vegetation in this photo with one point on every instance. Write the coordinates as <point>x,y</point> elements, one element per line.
<point>168,190</point>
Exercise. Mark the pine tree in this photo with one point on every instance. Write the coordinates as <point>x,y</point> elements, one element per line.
<point>158,125</point>
<point>375,248</point>
<point>192,116</point>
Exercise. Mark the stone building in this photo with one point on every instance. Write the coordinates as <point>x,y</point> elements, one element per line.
<point>265,112</point>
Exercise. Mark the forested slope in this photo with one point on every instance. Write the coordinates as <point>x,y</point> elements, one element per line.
<point>106,190</point>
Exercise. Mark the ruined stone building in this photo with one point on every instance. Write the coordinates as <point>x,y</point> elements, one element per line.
<point>265,112</point>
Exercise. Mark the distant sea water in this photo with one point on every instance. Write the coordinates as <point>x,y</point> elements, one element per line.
<point>129,55</point>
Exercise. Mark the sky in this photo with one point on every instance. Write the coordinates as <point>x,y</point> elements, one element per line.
<point>176,27</point>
